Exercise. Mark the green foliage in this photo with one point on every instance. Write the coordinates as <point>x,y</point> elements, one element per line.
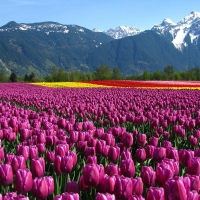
<point>116,75</point>
<point>102,73</point>
<point>13,77</point>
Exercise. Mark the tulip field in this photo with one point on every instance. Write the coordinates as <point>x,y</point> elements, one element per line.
<point>100,140</point>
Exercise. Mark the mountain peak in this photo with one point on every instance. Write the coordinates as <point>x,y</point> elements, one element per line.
<point>11,24</point>
<point>167,22</point>
<point>192,17</point>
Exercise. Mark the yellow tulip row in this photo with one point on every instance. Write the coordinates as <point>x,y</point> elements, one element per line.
<point>70,85</point>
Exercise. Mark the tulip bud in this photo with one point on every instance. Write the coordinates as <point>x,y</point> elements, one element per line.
<point>91,175</point>
<point>61,149</point>
<point>113,153</point>
<point>193,167</point>
<point>127,139</point>
<point>23,181</point>
<point>172,153</point>
<point>1,153</point>
<point>23,150</point>
<point>66,195</point>
<point>154,193</point>
<point>40,188</point>
<point>127,168</point>
<point>18,162</point>
<point>153,141</point>
<point>137,186</point>
<point>149,151</point>
<point>105,196</point>
<point>50,156</point>
<point>112,169</point>
<point>33,152</point>
<point>6,174</point>
<point>126,155</point>
<point>175,189</point>
<point>159,154</point>
<point>185,155</point>
<point>73,187</point>
<point>57,163</point>
<point>107,184</point>
<point>90,151</point>
<point>140,155</point>
<point>141,139</point>
<point>38,167</point>
<point>123,187</point>
<point>66,164</point>
<point>148,176</point>
<point>9,157</point>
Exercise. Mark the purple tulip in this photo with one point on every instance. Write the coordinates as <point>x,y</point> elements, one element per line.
<point>81,146</point>
<point>9,157</point>
<point>123,187</point>
<point>107,184</point>
<point>40,188</point>
<point>57,163</point>
<point>127,139</point>
<point>154,193</point>
<point>61,149</point>
<point>18,162</point>
<point>148,176</point>
<point>91,160</point>
<point>126,155</point>
<point>194,182</point>
<point>38,167</point>
<point>172,153</point>
<point>113,153</point>
<point>50,183</point>
<point>66,164</point>
<point>153,141</point>
<point>23,150</point>
<point>193,140</point>
<point>163,173</point>
<point>90,151</point>
<point>135,197</point>
<point>149,151</point>
<point>185,155</point>
<point>23,181</point>
<point>193,167</point>
<point>105,196</point>
<point>1,153</point>
<point>137,186</point>
<point>74,136</point>
<point>72,186</point>
<point>112,169</point>
<point>41,148</point>
<point>66,195</point>
<point>33,152</point>
<point>175,189</point>
<point>166,144</point>
<point>127,168</point>
<point>6,174</point>
<point>50,156</point>
<point>109,138</point>
<point>91,175</point>
<point>159,154</point>
<point>141,139</point>
<point>100,146</point>
<point>140,155</point>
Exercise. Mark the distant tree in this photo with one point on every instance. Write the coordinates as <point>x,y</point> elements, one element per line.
<point>31,76</point>
<point>13,77</point>
<point>26,78</point>
<point>146,76</point>
<point>2,77</point>
<point>169,70</point>
<point>157,75</point>
<point>116,75</point>
<point>176,76</point>
<point>102,73</point>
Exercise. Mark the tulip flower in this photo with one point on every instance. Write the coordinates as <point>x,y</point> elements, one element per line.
<point>193,167</point>
<point>153,141</point>
<point>18,162</point>
<point>126,155</point>
<point>148,176</point>
<point>105,196</point>
<point>41,148</point>
<point>33,152</point>
<point>141,139</point>
<point>81,146</point>
<point>109,138</point>
<point>72,186</point>
<point>113,153</point>
<point>127,168</point>
<point>57,164</point>
<point>172,153</point>
<point>175,189</point>
<point>1,153</point>
<point>50,183</point>
<point>38,167</point>
<point>23,181</point>
<point>66,195</point>
<point>137,186</point>
<point>166,144</point>
<point>135,197</point>
<point>112,169</point>
<point>163,173</point>
<point>194,182</point>
<point>6,174</point>
<point>66,164</point>
<point>149,151</point>
<point>82,184</point>
<point>123,187</point>
<point>127,139</point>
<point>61,149</point>
<point>140,155</point>
<point>107,184</point>
<point>185,155</point>
<point>40,188</point>
<point>154,193</point>
<point>159,154</point>
<point>9,157</point>
<point>23,150</point>
<point>74,136</point>
<point>91,175</point>
<point>90,151</point>
<point>50,156</point>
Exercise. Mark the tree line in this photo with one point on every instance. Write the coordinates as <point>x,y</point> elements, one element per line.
<point>104,73</point>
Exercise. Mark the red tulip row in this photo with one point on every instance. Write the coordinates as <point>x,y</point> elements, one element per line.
<point>101,143</point>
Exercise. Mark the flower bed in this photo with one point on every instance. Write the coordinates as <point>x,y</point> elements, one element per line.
<point>98,143</point>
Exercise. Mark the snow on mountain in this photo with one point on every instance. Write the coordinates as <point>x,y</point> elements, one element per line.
<point>177,33</point>
<point>120,31</point>
<point>44,26</point>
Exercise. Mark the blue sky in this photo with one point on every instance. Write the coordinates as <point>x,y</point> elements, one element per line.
<point>100,14</point>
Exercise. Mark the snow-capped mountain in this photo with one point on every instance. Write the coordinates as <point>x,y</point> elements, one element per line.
<point>183,33</point>
<point>47,27</point>
<point>120,31</point>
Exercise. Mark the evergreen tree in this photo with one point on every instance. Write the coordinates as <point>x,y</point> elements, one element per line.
<point>116,75</point>
<point>13,77</point>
